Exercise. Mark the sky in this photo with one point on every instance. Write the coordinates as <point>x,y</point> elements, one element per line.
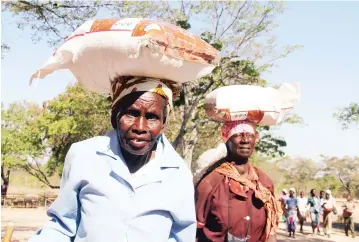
<point>327,68</point>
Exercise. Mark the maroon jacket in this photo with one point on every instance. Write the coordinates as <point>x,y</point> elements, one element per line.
<point>217,206</point>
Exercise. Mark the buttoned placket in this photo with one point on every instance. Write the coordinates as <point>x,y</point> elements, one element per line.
<point>120,172</point>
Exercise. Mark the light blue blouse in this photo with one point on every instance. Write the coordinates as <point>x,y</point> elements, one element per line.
<point>100,200</point>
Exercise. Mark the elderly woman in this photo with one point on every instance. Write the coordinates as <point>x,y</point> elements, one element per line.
<point>235,200</point>
<point>128,185</point>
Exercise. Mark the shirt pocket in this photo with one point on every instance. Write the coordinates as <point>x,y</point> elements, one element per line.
<point>153,226</point>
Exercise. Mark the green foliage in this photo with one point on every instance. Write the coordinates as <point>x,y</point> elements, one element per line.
<point>18,144</point>
<point>340,175</point>
<point>348,115</point>
<point>269,144</point>
<point>298,172</point>
<point>73,116</point>
<point>328,182</point>
<point>184,24</point>
<point>33,134</point>
<point>346,170</point>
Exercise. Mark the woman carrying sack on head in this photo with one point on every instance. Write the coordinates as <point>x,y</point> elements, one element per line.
<point>329,207</point>
<point>235,200</point>
<point>129,184</point>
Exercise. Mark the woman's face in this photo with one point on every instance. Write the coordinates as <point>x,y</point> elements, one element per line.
<point>141,122</point>
<point>242,145</point>
<point>314,193</point>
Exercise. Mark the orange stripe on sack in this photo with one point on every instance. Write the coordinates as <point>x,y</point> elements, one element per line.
<point>255,115</point>
<point>103,24</point>
<point>177,38</point>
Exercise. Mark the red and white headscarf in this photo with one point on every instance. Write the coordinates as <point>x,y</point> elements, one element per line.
<point>237,127</point>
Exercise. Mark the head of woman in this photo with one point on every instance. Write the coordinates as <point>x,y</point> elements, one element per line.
<point>140,119</point>
<point>139,110</point>
<point>328,193</point>
<point>241,138</point>
<point>313,192</point>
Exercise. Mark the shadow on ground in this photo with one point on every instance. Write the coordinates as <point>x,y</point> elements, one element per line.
<point>340,226</point>
<point>338,234</point>
<point>307,239</point>
<point>300,237</point>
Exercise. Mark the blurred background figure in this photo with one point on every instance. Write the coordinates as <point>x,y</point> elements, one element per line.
<point>329,207</point>
<point>302,209</point>
<point>283,197</point>
<point>348,210</point>
<point>321,211</point>
<point>314,203</point>
<point>292,211</point>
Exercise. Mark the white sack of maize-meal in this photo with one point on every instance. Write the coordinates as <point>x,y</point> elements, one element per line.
<point>260,105</point>
<point>99,50</point>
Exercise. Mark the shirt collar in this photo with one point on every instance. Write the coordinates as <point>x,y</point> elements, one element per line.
<point>163,152</point>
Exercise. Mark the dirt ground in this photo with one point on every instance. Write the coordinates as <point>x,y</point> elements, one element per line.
<point>337,235</point>
<point>27,221</point>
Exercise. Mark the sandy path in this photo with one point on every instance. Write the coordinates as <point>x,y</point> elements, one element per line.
<point>27,221</point>
<point>337,236</point>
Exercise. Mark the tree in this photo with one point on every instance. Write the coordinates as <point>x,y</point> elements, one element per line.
<point>73,116</point>
<point>346,169</point>
<point>33,136</point>
<point>19,145</point>
<point>240,30</point>
<point>348,115</point>
<point>328,182</point>
<point>298,172</point>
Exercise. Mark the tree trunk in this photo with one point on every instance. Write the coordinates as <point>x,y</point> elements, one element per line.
<point>188,146</point>
<point>187,112</point>
<point>6,179</point>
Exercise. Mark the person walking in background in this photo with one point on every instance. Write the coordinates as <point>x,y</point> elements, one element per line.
<point>292,210</point>
<point>283,197</point>
<point>302,209</point>
<point>314,203</point>
<point>322,195</point>
<point>348,210</point>
<point>321,212</point>
<point>328,207</point>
